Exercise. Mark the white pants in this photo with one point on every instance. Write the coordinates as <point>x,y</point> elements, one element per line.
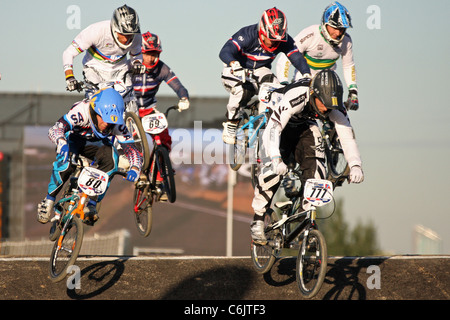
<point>100,76</point>
<point>241,93</point>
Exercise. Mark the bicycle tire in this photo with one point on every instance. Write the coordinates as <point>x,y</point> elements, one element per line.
<point>312,257</point>
<point>59,263</point>
<point>263,255</point>
<point>256,166</point>
<point>134,125</point>
<point>337,165</point>
<point>164,165</point>
<point>142,211</point>
<point>238,150</point>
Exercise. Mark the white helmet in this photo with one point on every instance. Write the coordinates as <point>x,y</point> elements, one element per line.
<point>124,21</point>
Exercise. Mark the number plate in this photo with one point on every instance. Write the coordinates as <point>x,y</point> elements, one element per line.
<point>318,192</point>
<point>154,123</point>
<point>92,181</point>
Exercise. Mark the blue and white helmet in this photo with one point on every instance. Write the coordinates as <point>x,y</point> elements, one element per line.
<point>109,105</point>
<point>336,16</point>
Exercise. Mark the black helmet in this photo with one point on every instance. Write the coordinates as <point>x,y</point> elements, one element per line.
<point>124,21</point>
<point>327,87</point>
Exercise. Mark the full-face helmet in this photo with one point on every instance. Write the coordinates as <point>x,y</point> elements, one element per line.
<point>327,87</point>
<point>124,21</point>
<point>336,16</point>
<point>109,105</point>
<point>273,26</point>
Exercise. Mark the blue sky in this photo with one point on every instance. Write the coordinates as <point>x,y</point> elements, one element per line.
<point>401,127</point>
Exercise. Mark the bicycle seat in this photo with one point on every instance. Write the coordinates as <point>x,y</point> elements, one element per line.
<point>283,205</point>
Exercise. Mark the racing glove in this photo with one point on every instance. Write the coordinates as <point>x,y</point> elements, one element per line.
<point>278,166</point>
<point>356,175</point>
<point>237,70</point>
<point>183,104</point>
<point>352,100</point>
<point>62,150</point>
<point>73,84</point>
<point>132,174</point>
<point>138,68</point>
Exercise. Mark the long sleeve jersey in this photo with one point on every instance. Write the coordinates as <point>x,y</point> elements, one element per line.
<point>102,52</point>
<point>292,106</point>
<point>319,55</point>
<point>147,85</point>
<point>244,46</point>
<point>77,121</point>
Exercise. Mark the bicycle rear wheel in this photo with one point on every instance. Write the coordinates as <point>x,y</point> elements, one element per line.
<point>238,150</point>
<point>311,265</point>
<point>134,126</point>
<point>66,249</point>
<point>263,256</point>
<point>338,169</point>
<point>142,210</point>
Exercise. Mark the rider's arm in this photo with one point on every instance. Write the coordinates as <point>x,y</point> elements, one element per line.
<point>173,82</point>
<point>346,137</point>
<point>81,43</point>
<point>282,68</point>
<point>58,130</point>
<point>348,64</point>
<point>136,50</point>
<point>292,102</point>
<point>229,52</point>
<point>233,48</point>
<point>126,141</point>
<point>295,56</point>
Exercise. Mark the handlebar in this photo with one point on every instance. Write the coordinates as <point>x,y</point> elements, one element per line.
<point>166,113</point>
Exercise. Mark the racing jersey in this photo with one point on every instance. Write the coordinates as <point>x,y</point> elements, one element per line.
<point>77,121</point>
<point>292,105</point>
<point>147,85</point>
<point>319,55</point>
<point>244,46</point>
<point>102,52</point>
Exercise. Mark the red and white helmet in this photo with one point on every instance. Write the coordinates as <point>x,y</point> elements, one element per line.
<point>273,26</point>
<point>151,42</point>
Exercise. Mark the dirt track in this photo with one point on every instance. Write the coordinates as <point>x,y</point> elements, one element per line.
<point>216,278</point>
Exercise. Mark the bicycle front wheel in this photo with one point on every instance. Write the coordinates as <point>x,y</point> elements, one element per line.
<point>311,265</point>
<point>134,126</point>
<point>238,150</point>
<point>263,255</point>
<point>142,210</point>
<point>66,249</point>
<point>164,167</point>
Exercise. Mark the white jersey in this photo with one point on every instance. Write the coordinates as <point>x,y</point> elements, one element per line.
<point>102,52</point>
<point>320,55</point>
<point>290,106</point>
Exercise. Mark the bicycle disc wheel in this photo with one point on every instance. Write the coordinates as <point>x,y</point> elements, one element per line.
<point>164,166</point>
<point>338,169</point>
<point>142,210</point>
<point>311,265</point>
<point>66,249</point>
<point>134,126</point>
<point>238,150</point>
<point>263,256</point>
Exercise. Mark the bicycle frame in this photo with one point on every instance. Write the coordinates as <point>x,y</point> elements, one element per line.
<point>252,131</point>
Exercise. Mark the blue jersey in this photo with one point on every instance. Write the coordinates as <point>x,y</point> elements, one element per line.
<point>147,85</point>
<point>244,46</point>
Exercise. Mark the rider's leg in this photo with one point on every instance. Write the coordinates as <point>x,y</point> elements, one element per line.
<point>310,154</point>
<point>61,172</point>
<point>240,94</point>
